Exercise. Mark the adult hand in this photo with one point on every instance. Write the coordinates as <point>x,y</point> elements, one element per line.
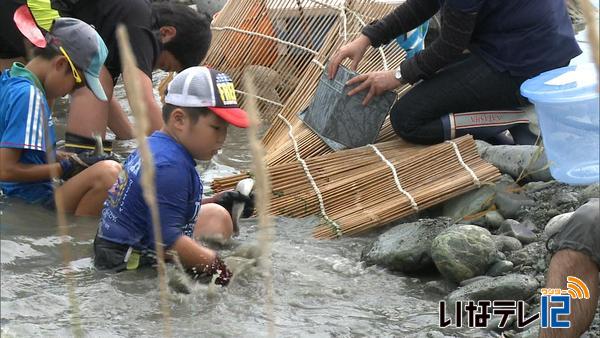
<point>376,82</point>
<point>354,50</point>
<point>226,199</point>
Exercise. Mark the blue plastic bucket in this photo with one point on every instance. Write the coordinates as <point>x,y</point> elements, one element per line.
<point>566,102</point>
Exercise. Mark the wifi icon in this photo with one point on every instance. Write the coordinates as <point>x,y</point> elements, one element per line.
<point>576,288</point>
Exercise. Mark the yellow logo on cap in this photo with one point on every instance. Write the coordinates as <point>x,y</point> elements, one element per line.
<point>227,93</point>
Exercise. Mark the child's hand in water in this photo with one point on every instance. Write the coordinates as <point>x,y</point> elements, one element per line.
<point>217,267</point>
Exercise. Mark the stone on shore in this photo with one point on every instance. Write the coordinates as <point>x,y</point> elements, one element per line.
<point>470,203</point>
<point>514,159</point>
<point>509,287</point>
<point>556,224</point>
<point>406,247</point>
<point>509,204</point>
<point>507,243</point>
<point>518,230</point>
<point>462,252</point>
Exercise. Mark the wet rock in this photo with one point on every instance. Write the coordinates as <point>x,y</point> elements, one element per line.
<point>565,197</point>
<point>507,243</point>
<point>529,255</point>
<point>441,287</point>
<point>513,160</point>
<point>406,247</point>
<point>473,280</point>
<point>536,186</point>
<point>509,287</point>
<point>532,332</point>
<point>469,203</point>
<point>592,191</point>
<point>494,323</point>
<point>429,334</point>
<point>493,220</point>
<point>556,224</point>
<point>520,231</point>
<point>500,268</point>
<point>462,252</point>
<point>510,204</point>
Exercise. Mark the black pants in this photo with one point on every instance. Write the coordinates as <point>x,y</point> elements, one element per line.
<point>465,86</point>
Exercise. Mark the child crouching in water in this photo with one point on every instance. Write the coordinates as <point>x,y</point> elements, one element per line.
<point>72,58</point>
<point>200,104</point>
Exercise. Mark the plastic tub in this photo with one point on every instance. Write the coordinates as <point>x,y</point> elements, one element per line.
<point>566,102</point>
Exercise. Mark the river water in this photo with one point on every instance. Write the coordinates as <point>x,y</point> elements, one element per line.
<point>321,288</point>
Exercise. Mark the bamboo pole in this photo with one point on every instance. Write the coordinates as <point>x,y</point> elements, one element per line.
<point>139,109</point>
<point>263,201</point>
<point>64,233</point>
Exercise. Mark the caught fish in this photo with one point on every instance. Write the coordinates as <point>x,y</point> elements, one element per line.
<point>245,188</point>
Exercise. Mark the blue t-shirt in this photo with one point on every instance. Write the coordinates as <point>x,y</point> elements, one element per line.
<point>26,124</point>
<point>523,37</point>
<point>126,217</point>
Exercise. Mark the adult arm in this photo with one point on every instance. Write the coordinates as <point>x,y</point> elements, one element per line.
<point>406,17</point>
<point>153,110</point>
<point>457,28</point>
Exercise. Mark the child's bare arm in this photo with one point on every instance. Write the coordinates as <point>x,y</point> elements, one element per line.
<point>193,254</point>
<point>12,170</point>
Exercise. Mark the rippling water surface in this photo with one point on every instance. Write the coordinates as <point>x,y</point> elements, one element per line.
<point>321,289</point>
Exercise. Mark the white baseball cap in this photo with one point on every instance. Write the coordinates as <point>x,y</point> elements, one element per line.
<point>205,87</point>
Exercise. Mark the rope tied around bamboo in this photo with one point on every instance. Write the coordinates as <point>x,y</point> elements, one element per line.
<point>329,221</point>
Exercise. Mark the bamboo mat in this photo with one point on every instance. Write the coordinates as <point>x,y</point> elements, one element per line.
<point>358,188</point>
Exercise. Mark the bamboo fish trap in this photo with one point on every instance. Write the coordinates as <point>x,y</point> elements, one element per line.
<point>359,189</point>
<point>353,190</point>
<point>283,45</point>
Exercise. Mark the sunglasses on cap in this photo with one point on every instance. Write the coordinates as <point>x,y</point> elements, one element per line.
<point>76,75</point>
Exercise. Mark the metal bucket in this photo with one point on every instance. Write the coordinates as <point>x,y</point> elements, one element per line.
<point>341,120</point>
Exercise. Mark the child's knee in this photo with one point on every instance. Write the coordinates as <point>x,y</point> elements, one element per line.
<point>214,220</point>
<point>106,172</point>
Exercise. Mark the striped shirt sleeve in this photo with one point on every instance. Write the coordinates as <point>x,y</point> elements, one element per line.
<point>25,120</point>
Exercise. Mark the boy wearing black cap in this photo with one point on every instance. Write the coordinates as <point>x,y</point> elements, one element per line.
<point>70,56</point>
<point>200,104</point>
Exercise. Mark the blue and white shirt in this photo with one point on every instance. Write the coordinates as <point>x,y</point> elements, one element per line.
<point>126,217</point>
<point>26,124</point>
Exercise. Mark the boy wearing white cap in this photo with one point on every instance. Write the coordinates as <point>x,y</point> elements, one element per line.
<point>200,104</point>
<point>70,56</point>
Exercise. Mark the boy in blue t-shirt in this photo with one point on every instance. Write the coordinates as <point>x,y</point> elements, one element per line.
<point>200,104</point>
<point>70,56</point>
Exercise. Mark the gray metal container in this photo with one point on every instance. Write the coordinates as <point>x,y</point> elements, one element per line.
<point>341,120</point>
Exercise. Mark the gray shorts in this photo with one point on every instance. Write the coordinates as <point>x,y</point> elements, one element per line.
<point>581,232</point>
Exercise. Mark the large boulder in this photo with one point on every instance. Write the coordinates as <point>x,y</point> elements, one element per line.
<point>556,224</point>
<point>514,159</point>
<point>462,252</point>
<point>509,287</point>
<point>406,247</point>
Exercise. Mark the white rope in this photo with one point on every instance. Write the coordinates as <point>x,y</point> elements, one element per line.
<point>318,63</point>
<point>413,203</point>
<point>344,23</point>
<point>336,227</point>
<point>268,37</point>
<point>462,162</point>
<point>259,98</point>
